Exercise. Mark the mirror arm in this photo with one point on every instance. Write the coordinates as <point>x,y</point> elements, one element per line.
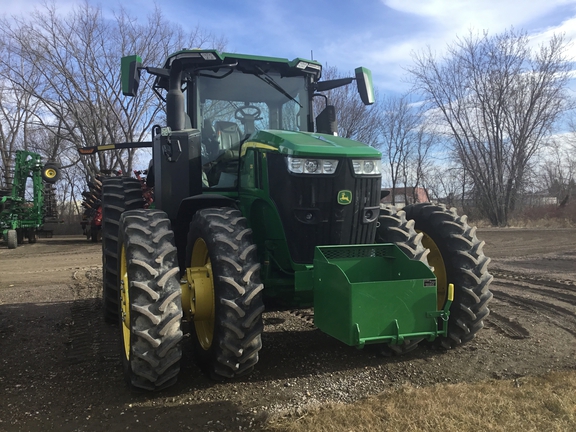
<point>332,84</point>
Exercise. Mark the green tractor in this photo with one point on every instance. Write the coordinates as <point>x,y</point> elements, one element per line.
<point>259,205</point>
<point>25,207</point>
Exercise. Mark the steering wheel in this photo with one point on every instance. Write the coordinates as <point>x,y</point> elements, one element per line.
<point>248,112</point>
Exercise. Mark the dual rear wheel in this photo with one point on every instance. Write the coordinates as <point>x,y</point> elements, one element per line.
<point>221,294</point>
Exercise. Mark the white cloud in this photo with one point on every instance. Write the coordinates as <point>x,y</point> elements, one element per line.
<point>441,21</point>
<point>567,28</point>
<point>460,15</point>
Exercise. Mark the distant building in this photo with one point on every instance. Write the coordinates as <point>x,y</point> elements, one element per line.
<point>404,196</point>
<point>523,200</point>
<point>538,199</point>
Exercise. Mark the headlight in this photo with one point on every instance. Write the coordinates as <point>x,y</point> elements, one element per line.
<point>366,166</point>
<point>312,166</point>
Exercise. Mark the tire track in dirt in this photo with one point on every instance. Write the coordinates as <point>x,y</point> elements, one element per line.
<point>509,276</point>
<point>553,299</point>
<point>542,290</point>
<point>89,338</point>
<point>509,327</point>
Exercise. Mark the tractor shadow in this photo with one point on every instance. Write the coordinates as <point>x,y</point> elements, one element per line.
<point>301,353</point>
<point>62,362</point>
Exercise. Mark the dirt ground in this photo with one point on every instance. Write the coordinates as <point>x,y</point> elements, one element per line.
<point>60,364</point>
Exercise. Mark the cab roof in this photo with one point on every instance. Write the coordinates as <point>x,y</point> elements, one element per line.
<point>205,58</point>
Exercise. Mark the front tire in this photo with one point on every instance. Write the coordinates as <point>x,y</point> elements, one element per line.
<point>457,258</point>
<point>227,324</point>
<point>150,299</point>
<point>118,195</point>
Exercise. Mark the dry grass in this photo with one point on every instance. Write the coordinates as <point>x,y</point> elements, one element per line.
<point>541,223</point>
<point>546,403</point>
<point>549,216</point>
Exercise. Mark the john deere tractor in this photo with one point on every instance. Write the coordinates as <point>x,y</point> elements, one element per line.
<point>30,200</point>
<point>259,205</point>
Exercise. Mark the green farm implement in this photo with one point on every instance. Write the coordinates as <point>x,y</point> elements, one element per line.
<point>30,201</point>
<point>259,205</point>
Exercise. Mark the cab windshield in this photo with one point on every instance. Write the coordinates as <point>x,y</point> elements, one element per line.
<point>233,106</point>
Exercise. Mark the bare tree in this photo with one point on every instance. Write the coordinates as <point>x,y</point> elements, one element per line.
<point>444,182</point>
<point>405,140</point>
<point>75,78</point>
<point>558,171</point>
<point>16,112</point>
<point>419,161</point>
<point>497,99</point>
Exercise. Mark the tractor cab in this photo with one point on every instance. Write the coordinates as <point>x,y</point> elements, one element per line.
<point>229,98</point>
<point>230,106</point>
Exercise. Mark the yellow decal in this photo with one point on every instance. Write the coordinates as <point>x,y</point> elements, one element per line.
<point>254,144</point>
<point>344,197</point>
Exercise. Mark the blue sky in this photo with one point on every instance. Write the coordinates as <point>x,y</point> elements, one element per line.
<point>378,34</point>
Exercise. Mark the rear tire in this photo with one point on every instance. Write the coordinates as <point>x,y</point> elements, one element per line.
<point>457,257</point>
<point>228,339</point>
<point>150,307</point>
<point>395,228</point>
<point>119,194</point>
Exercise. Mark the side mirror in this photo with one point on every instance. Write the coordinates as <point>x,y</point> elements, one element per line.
<point>364,83</point>
<point>130,73</point>
<point>326,121</point>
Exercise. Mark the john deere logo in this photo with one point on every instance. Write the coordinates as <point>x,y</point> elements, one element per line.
<point>344,197</point>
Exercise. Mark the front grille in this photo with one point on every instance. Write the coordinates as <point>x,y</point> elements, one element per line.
<point>309,210</point>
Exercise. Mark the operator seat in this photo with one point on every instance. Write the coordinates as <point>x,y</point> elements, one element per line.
<point>228,134</point>
<point>209,141</point>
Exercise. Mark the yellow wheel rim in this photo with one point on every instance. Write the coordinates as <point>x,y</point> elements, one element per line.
<point>201,279</point>
<point>50,173</point>
<point>125,303</point>
<point>437,262</point>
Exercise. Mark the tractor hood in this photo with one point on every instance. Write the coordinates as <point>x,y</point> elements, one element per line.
<point>310,144</point>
